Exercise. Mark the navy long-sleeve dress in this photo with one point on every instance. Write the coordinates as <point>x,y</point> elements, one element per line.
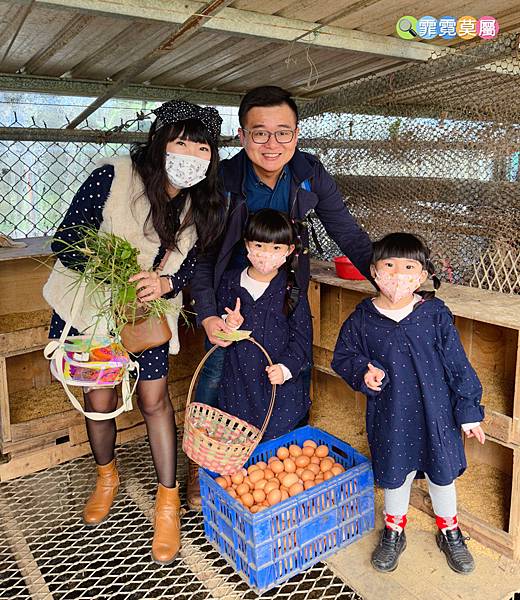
<point>245,390</point>
<point>429,390</point>
<point>86,210</point>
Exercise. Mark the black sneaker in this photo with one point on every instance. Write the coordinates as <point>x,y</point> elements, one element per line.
<point>385,557</point>
<point>453,544</point>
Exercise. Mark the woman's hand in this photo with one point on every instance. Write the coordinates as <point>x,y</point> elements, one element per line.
<point>476,432</point>
<point>150,286</point>
<point>275,374</point>
<point>234,319</point>
<point>373,378</point>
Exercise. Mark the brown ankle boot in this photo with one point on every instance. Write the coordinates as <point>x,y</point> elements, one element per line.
<point>193,498</point>
<point>167,525</point>
<point>100,501</point>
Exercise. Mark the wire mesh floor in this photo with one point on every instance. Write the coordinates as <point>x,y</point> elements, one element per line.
<point>46,553</point>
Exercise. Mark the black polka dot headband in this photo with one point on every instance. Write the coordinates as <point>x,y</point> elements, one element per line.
<point>180,110</point>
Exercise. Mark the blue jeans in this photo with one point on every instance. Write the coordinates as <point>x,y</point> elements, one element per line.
<point>209,378</point>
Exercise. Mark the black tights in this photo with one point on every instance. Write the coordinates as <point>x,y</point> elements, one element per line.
<point>154,403</point>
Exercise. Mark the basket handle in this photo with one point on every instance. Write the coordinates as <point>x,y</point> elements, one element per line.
<point>205,358</point>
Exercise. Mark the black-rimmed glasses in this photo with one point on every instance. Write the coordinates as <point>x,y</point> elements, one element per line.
<point>261,136</point>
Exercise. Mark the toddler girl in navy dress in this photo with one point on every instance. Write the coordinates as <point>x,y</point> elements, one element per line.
<point>401,349</point>
<point>264,298</point>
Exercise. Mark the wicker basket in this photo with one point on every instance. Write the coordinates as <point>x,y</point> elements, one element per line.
<point>215,439</point>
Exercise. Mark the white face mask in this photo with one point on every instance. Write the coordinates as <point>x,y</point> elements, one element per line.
<point>184,170</point>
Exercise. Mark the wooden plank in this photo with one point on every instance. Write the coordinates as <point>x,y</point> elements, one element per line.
<point>21,282</point>
<point>27,371</point>
<point>5,417</point>
<point>514,515</point>
<point>134,433</point>
<point>31,444</point>
<point>42,459</point>
<point>498,426</point>
<point>16,342</point>
<point>314,303</point>
<point>516,396</point>
<point>36,247</point>
<point>29,429</point>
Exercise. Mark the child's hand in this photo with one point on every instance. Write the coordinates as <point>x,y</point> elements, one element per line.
<point>373,378</point>
<point>275,374</point>
<point>234,318</point>
<point>476,432</point>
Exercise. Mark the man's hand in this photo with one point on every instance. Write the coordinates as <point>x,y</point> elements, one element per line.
<point>476,432</point>
<point>211,326</point>
<point>234,318</point>
<point>373,378</point>
<point>275,374</point>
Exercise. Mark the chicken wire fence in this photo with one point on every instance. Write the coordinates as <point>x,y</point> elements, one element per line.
<point>432,149</point>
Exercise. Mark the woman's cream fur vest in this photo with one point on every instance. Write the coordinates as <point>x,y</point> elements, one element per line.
<point>124,215</point>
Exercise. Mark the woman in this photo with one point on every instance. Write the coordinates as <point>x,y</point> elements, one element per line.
<point>162,198</point>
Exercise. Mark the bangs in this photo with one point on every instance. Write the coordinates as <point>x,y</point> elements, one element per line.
<point>269,227</point>
<point>401,245</point>
<point>192,130</point>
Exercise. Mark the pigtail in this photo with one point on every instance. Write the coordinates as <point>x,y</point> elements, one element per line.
<point>292,293</point>
<point>430,268</point>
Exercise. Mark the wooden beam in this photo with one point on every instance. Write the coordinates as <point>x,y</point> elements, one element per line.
<point>188,28</point>
<point>243,22</point>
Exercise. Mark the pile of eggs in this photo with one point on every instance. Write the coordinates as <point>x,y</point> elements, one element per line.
<point>291,471</point>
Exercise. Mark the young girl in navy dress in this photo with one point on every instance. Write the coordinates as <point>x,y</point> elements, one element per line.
<point>264,298</point>
<point>402,350</point>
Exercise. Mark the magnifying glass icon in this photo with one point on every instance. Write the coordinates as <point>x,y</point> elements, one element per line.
<point>405,25</point>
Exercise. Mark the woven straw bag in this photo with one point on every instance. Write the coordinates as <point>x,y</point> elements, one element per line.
<point>215,439</point>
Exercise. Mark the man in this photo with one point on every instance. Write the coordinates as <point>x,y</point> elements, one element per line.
<point>269,172</point>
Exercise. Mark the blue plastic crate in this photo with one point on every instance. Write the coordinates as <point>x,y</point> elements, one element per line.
<point>271,546</point>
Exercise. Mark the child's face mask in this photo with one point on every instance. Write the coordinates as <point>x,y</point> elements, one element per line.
<point>396,286</point>
<point>184,170</point>
<point>266,261</point>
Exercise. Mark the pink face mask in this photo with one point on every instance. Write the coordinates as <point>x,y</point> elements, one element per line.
<point>396,286</point>
<point>265,262</point>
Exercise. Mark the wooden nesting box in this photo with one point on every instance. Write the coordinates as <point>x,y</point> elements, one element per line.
<point>38,426</point>
<point>489,326</point>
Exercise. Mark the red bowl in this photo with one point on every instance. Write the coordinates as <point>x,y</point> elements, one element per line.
<point>345,269</point>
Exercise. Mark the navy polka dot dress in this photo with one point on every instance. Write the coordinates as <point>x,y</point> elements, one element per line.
<point>245,390</point>
<point>86,210</point>
<point>429,390</point>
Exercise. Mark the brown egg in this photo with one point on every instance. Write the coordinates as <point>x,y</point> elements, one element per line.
<point>337,470</point>
<point>290,479</point>
<point>314,468</point>
<point>249,482</point>
<point>262,507</point>
<point>295,450</point>
<point>268,474</point>
<point>276,467</point>
<point>254,508</point>
<point>242,489</point>
<point>222,482</point>
<point>260,485</point>
<point>285,495</point>
<point>309,483</point>
<point>259,496</point>
<point>237,477</point>
<point>289,466</point>
<point>296,488</point>
<point>299,471</point>
<point>328,475</point>
<point>326,464</point>
<point>270,460</point>
<point>308,451</point>
<point>273,497</point>
<point>307,475</point>
<point>322,452</point>
<point>232,493</point>
<point>302,461</point>
<point>274,484</point>
<point>315,460</point>
<point>252,469</point>
<point>261,464</point>
<point>256,476</point>
<point>282,453</point>
<point>310,443</point>
<point>228,479</point>
<point>247,500</point>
